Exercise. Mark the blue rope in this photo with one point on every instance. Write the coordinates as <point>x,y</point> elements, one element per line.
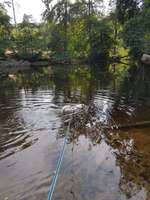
<point>58,167</point>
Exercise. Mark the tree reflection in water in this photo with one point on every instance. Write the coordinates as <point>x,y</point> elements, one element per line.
<point>117,101</point>
<point>130,147</point>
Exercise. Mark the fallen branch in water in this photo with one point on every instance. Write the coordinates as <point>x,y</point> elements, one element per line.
<point>133,125</point>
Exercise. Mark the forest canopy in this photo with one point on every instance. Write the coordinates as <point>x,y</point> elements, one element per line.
<point>78,30</point>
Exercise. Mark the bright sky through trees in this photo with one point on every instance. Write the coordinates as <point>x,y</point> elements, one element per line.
<point>30,7</point>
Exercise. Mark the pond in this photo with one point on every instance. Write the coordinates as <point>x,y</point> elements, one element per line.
<point>114,167</point>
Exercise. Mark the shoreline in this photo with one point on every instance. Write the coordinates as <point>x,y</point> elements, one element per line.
<point>13,66</point>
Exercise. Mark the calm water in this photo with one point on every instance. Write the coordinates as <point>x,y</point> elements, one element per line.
<point>116,167</point>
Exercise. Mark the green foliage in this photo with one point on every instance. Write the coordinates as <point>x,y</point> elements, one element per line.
<point>72,27</point>
<point>63,57</point>
<point>136,33</point>
<point>4,40</point>
<point>4,30</point>
<point>4,18</point>
<point>57,12</point>
<point>79,30</point>
<point>101,41</point>
<point>57,39</point>
<point>27,39</point>
<point>127,9</point>
<point>78,44</point>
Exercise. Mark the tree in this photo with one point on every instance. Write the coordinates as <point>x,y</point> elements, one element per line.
<point>58,13</point>
<point>72,25</point>
<point>127,9</point>
<point>10,4</point>
<point>101,42</point>
<point>14,12</point>
<point>4,29</point>
<point>78,41</point>
<point>4,18</point>
<point>27,19</point>
<point>26,38</point>
<point>136,32</point>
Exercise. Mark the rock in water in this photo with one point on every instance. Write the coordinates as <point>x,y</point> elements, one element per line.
<point>68,109</point>
<point>146,59</point>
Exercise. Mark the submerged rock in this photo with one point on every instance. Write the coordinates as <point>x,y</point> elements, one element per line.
<point>146,59</point>
<point>68,109</point>
<point>12,76</point>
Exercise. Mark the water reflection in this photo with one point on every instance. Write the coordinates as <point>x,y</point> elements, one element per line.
<point>30,118</point>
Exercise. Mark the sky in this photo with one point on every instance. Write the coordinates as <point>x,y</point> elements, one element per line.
<point>30,7</point>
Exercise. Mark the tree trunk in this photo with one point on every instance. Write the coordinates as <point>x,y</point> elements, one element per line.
<point>65,25</point>
<point>14,13</point>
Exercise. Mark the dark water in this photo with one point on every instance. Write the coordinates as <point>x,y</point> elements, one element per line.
<point>117,167</point>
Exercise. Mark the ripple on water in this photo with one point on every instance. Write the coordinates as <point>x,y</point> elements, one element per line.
<point>24,116</point>
<point>116,167</point>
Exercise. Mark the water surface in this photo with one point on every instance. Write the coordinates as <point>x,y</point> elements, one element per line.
<point>116,167</point>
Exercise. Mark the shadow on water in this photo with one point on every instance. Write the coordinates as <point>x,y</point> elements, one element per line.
<point>99,163</point>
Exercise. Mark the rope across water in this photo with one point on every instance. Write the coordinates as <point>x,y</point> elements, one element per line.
<point>58,167</point>
<point>60,159</point>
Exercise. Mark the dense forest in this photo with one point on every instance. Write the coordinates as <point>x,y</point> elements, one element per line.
<point>75,100</point>
<point>78,30</point>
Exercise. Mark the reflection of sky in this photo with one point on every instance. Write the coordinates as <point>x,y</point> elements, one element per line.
<point>30,146</point>
<point>104,103</point>
<point>89,171</point>
<point>38,111</point>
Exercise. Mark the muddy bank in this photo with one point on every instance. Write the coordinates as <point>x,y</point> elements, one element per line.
<point>12,66</point>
